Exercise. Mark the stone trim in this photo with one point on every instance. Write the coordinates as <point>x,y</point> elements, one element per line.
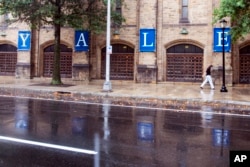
<point>80,72</point>
<point>147,73</point>
<point>184,24</point>
<point>81,66</point>
<point>23,70</point>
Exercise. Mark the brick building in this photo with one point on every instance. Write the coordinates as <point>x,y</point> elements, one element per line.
<point>181,47</point>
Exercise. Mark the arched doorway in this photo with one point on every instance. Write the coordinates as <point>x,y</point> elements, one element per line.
<point>66,61</point>
<point>8,59</point>
<point>184,63</point>
<point>244,73</point>
<point>121,62</point>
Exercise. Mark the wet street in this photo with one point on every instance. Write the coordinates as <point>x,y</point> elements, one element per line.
<point>46,133</point>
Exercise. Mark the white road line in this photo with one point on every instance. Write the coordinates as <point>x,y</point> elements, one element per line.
<point>47,145</point>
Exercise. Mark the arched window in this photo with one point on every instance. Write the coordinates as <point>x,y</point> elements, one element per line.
<point>244,73</point>
<point>121,62</point>
<point>65,61</point>
<point>8,59</point>
<point>184,63</point>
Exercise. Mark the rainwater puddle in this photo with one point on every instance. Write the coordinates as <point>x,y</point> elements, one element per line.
<point>115,135</point>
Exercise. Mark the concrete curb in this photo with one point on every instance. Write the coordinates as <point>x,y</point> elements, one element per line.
<point>219,106</point>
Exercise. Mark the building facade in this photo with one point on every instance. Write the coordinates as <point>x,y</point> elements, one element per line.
<point>180,49</point>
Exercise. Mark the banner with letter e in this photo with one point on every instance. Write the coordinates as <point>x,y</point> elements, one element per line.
<point>219,39</point>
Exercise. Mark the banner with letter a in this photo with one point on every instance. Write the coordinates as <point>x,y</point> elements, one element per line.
<point>81,40</point>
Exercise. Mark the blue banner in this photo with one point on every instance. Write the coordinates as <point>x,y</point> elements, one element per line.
<point>218,40</point>
<point>81,40</point>
<point>24,39</point>
<point>147,40</point>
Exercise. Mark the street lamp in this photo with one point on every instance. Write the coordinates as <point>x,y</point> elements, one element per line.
<point>107,84</point>
<point>223,25</point>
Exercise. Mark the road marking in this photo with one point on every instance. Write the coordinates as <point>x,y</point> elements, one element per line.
<point>47,145</point>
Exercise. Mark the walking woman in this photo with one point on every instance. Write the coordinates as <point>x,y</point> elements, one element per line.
<point>208,78</point>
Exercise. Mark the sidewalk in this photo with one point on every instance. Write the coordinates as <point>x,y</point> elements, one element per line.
<point>130,93</point>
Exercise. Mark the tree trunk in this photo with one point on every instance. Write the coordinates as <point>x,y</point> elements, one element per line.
<point>56,77</point>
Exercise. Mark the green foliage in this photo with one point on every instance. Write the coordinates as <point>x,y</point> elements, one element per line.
<point>80,14</point>
<point>239,13</point>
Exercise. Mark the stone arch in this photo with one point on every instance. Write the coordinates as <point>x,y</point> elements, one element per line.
<point>8,42</point>
<point>244,44</point>
<point>118,41</point>
<point>51,42</point>
<point>184,41</point>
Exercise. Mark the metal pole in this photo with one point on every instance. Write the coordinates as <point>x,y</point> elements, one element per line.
<point>223,88</point>
<point>107,84</point>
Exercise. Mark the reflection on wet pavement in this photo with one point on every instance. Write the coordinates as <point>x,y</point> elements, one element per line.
<point>127,136</point>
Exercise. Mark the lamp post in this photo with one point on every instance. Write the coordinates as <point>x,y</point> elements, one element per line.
<point>223,25</point>
<point>107,84</point>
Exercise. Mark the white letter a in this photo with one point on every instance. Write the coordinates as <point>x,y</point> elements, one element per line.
<point>237,158</point>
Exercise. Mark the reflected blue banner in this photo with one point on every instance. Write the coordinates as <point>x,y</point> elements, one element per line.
<point>78,125</point>
<point>145,131</point>
<point>21,120</point>
<point>221,137</point>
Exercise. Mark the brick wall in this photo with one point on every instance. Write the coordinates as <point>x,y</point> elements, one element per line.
<point>163,15</point>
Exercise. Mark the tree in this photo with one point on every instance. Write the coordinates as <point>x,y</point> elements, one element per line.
<point>79,14</point>
<point>239,13</point>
